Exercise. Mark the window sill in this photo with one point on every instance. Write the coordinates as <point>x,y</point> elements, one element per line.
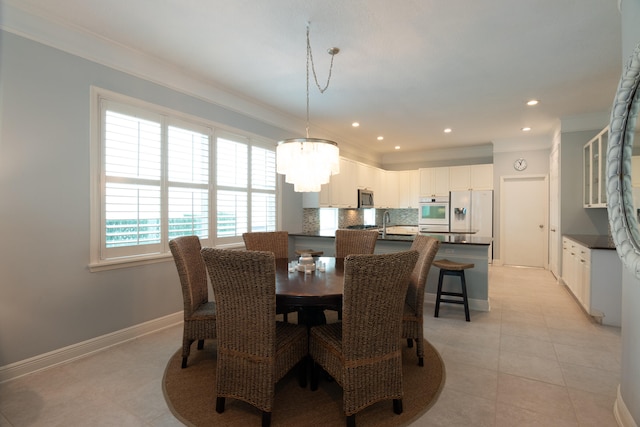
<point>114,264</point>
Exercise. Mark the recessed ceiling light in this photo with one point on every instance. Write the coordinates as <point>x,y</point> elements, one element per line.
<point>532,102</point>
<point>526,129</point>
<point>380,138</point>
<point>397,147</point>
<point>447,130</point>
<point>355,124</point>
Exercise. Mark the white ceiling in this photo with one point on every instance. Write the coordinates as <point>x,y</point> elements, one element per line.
<point>406,70</point>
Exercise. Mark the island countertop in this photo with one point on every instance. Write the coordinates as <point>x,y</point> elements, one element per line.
<point>451,238</point>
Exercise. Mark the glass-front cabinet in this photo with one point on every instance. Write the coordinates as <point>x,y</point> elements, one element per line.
<point>594,165</point>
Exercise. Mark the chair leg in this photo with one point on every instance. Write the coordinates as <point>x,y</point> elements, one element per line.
<point>219,405</point>
<point>409,342</point>
<point>351,420</point>
<point>186,350</point>
<point>397,406</point>
<point>285,317</point>
<point>420,351</point>
<point>439,293</point>
<point>266,419</point>
<point>464,297</point>
<point>200,344</point>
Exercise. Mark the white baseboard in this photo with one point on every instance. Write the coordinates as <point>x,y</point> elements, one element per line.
<point>82,349</point>
<point>621,413</point>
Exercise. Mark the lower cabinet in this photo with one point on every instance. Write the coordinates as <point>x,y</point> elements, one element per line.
<point>594,277</point>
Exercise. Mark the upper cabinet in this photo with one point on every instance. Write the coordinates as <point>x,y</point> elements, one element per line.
<point>594,193</point>
<point>387,197</point>
<point>434,182</point>
<point>408,189</point>
<point>471,177</point>
<point>396,189</point>
<point>340,192</point>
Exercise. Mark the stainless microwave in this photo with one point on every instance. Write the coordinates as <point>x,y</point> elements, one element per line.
<point>365,198</point>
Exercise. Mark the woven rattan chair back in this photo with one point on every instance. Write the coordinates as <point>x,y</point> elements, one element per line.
<point>199,312</point>
<point>412,321</point>
<point>274,241</point>
<point>369,368</point>
<point>350,242</point>
<point>254,351</point>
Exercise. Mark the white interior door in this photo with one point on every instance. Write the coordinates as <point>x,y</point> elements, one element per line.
<point>555,240</point>
<point>523,221</point>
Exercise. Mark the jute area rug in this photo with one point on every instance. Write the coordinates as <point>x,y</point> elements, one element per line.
<point>190,394</point>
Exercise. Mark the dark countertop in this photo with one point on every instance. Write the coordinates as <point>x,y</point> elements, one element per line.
<point>592,241</point>
<point>453,238</point>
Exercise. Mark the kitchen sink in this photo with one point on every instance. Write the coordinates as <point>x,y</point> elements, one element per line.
<point>403,230</point>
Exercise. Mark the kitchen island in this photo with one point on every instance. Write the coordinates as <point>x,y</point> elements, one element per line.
<point>465,248</point>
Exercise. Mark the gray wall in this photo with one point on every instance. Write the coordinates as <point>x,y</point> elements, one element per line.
<point>575,219</point>
<point>48,297</point>
<point>630,375</point>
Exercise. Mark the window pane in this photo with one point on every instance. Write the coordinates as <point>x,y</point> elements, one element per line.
<point>132,147</point>
<point>132,215</point>
<point>231,164</point>
<point>188,156</point>
<point>263,212</point>
<point>188,212</point>
<point>232,215</point>
<point>328,219</point>
<point>263,168</point>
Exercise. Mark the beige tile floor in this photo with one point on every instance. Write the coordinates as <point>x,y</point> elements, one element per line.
<point>534,360</point>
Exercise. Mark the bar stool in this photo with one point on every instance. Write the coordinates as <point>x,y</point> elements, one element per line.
<point>451,268</point>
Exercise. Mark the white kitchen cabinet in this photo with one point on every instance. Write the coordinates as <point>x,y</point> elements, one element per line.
<point>367,177</point>
<point>471,177</point>
<point>389,190</point>
<point>482,177</point>
<point>594,277</point>
<point>434,182</point>
<point>459,178</point>
<point>408,189</point>
<point>594,171</point>
<point>340,192</point>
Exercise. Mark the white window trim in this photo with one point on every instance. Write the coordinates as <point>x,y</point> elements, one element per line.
<point>97,264</point>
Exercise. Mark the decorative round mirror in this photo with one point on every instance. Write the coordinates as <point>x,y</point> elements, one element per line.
<point>623,204</point>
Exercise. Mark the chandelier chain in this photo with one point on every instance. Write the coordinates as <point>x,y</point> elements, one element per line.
<point>315,77</point>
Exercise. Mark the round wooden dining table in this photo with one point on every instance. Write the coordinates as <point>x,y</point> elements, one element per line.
<point>310,294</point>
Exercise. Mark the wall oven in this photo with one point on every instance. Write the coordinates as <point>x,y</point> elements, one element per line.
<point>433,215</point>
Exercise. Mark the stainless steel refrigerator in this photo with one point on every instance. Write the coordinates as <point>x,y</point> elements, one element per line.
<point>472,212</point>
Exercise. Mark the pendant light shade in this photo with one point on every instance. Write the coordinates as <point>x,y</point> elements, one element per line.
<point>307,163</point>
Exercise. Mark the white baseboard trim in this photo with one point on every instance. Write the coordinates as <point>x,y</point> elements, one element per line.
<point>621,413</point>
<point>474,304</point>
<point>85,348</point>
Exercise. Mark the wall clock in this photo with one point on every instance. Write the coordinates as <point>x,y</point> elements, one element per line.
<point>520,164</point>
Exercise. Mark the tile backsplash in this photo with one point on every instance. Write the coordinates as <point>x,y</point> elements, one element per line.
<point>348,217</point>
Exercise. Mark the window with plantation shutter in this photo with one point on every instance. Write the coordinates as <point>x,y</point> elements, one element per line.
<point>246,187</point>
<point>153,180</point>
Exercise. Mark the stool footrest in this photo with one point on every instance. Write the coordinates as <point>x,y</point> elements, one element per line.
<point>452,301</point>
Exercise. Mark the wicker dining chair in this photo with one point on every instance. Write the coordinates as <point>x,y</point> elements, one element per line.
<point>413,316</point>
<point>254,350</point>
<point>363,352</point>
<point>199,312</point>
<point>350,242</point>
<point>273,241</point>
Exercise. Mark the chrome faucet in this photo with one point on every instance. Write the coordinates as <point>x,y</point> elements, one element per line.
<point>386,219</point>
